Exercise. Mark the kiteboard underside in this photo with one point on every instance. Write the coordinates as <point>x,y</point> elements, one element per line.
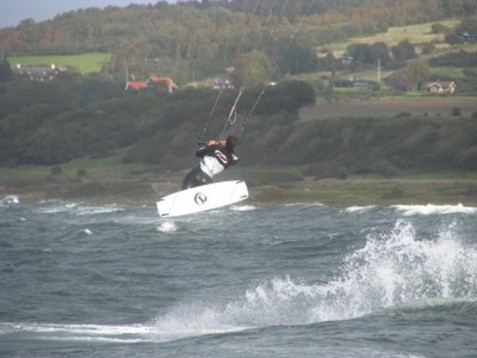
<point>202,198</point>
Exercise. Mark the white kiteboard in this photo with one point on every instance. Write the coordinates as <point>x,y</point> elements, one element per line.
<point>202,198</point>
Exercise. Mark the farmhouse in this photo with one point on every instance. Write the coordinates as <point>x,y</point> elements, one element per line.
<point>346,60</point>
<point>469,37</point>
<point>162,84</point>
<point>157,84</point>
<point>439,87</point>
<point>135,85</point>
<point>37,73</point>
<point>222,82</point>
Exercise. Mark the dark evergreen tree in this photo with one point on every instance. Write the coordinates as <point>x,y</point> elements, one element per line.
<point>6,73</point>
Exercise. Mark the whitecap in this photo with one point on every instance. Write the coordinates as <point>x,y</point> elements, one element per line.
<point>10,199</point>
<point>95,210</point>
<point>430,209</point>
<point>359,209</point>
<point>243,207</point>
<point>191,320</point>
<point>125,334</point>
<point>398,268</point>
<point>167,226</point>
<point>394,269</point>
<point>55,207</point>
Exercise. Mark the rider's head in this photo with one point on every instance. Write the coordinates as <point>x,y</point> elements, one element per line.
<point>231,142</point>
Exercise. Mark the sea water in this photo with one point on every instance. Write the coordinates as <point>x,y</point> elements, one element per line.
<point>302,280</point>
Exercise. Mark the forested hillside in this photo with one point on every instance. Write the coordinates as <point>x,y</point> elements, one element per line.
<point>75,116</point>
<point>199,39</point>
<point>72,116</point>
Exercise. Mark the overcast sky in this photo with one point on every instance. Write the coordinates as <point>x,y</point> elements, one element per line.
<point>12,12</point>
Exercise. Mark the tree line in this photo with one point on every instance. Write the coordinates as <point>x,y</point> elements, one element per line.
<point>48,123</point>
<point>74,116</point>
<point>198,39</point>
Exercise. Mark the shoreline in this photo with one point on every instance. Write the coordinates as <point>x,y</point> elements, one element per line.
<point>330,192</point>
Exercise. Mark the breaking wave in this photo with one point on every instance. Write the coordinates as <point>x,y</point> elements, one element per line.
<point>393,270</point>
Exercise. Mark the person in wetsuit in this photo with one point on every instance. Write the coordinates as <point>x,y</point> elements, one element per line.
<point>216,157</point>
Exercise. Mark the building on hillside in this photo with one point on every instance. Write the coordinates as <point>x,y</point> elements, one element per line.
<point>222,82</point>
<point>161,84</point>
<point>37,73</point>
<point>346,60</point>
<point>439,87</point>
<point>135,85</point>
<point>469,37</point>
<point>156,84</point>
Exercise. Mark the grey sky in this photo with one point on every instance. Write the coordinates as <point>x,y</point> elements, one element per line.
<point>12,12</point>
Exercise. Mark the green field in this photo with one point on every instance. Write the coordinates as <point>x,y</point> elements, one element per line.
<point>84,63</point>
<point>417,34</point>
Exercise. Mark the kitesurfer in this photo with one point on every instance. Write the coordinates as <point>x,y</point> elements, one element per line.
<point>216,157</point>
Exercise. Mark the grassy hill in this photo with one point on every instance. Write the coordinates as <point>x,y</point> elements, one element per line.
<point>417,34</point>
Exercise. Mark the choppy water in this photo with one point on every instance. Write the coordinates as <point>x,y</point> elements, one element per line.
<point>83,280</point>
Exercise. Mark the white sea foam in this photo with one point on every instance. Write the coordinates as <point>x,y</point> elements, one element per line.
<point>243,207</point>
<point>359,209</point>
<point>193,319</point>
<point>398,269</point>
<point>430,209</point>
<point>55,207</point>
<point>167,226</point>
<point>95,210</point>
<point>393,269</point>
<point>207,322</point>
<point>9,200</point>
<point>125,334</point>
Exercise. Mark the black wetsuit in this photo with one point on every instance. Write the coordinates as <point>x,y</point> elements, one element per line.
<point>215,158</point>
